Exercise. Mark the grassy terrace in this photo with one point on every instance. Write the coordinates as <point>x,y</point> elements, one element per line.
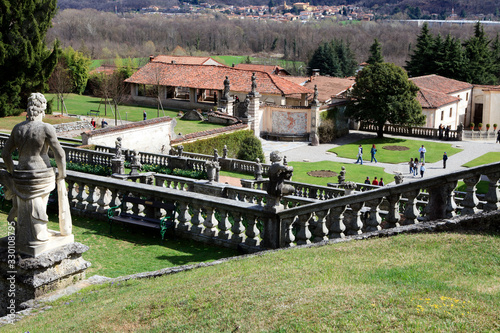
<point>434,150</point>
<point>444,282</point>
<point>130,251</point>
<point>81,104</point>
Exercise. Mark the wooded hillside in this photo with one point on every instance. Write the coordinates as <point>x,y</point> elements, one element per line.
<point>106,35</point>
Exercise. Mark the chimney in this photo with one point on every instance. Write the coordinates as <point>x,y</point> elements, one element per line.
<point>151,57</point>
<point>173,62</point>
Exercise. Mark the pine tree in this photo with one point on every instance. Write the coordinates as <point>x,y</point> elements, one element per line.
<point>375,53</point>
<point>480,68</point>
<point>422,55</point>
<point>25,61</point>
<point>451,61</point>
<point>333,58</point>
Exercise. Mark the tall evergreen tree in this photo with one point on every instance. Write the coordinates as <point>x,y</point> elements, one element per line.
<point>25,61</point>
<point>480,68</point>
<point>375,53</point>
<point>451,61</point>
<point>333,58</point>
<point>495,49</point>
<point>422,54</point>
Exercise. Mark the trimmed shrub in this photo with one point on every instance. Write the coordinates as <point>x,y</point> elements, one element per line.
<point>251,149</point>
<point>326,131</point>
<point>233,142</point>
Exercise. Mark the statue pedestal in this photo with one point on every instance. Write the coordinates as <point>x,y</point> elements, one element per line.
<point>23,278</point>
<point>118,166</point>
<point>36,248</point>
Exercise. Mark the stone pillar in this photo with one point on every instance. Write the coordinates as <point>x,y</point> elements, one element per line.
<point>254,113</point>
<point>314,138</point>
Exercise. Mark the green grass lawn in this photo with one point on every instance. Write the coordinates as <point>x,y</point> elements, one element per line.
<point>82,104</point>
<point>354,172</point>
<point>434,150</point>
<point>131,251</point>
<point>487,158</point>
<point>446,282</point>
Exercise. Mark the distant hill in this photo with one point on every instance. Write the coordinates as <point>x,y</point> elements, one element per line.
<point>418,7</point>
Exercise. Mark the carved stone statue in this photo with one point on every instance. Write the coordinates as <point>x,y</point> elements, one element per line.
<point>118,148</point>
<point>135,165</point>
<point>30,182</point>
<point>341,176</point>
<point>225,93</point>
<point>258,170</point>
<point>243,107</point>
<point>216,155</point>
<point>398,177</point>
<point>180,149</point>
<point>254,84</point>
<point>315,96</point>
<point>278,173</point>
<point>213,168</point>
<point>224,152</point>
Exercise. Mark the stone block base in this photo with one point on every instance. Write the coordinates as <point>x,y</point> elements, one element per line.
<point>23,278</point>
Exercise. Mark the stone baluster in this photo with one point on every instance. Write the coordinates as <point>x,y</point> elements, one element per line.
<point>374,220</point>
<point>196,220</point>
<point>451,206</point>
<point>304,234</point>
<point>289,238</point>
<point>393,216</point>
<point>470,201</point>
<point>183,219</point>
<point>103,200</point>
<point>252,232</point>
<point>91,202</point>
<point>336,222</point>
<point>81,197</point>
<point>320,231</point>
<point>210,223</point>
<point>72,193</point>
<point>493,195</point>
<point>224,225</point>
<point>411,212</point>
<point>237,229</point>
<point>355,226</point>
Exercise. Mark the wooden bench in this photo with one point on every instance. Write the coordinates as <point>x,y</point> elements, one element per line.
<point>149,220</point>
<point>94,113</point>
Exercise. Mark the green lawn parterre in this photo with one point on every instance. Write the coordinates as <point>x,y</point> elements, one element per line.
<point>443,282</point>
<point>434,150</point>
<point>130,251</point>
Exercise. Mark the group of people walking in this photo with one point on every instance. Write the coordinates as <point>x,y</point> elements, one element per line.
<point>375,181</point>
<point>415,167</point>
<point>373,151</point>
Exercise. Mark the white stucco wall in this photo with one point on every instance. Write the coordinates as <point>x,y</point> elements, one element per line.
<point>151,135</point>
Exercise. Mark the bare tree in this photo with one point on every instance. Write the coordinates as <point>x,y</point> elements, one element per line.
<point>60,83</point>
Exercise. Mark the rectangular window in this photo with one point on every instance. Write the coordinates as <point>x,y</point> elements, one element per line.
<point>467,96</point>
<point>442,115</point>
<point>451,112</point>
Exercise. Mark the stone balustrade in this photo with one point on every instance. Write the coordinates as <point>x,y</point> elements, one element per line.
<point>423,132</point>
<point>86,156</point>
<point>384,207</point>
<point>480,135</point>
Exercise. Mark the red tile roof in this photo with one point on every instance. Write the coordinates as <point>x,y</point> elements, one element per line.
<point>212,77</point>
<point>271,69</point>
<point>328,86</point>
<point>185,60</point>
<point>435,90</point>
<point>432,99</point>
<point>440,84</point>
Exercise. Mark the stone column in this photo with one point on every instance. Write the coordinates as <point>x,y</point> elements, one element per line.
<point>254,113</point>
<point>314,138</point>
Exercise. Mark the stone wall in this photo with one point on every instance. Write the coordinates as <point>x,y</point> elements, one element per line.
<point>74,126</point>
<point>152,135</point>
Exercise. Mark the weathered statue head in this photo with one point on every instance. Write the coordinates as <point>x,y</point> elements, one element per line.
<point>275,156</point>
<point>36,105</point>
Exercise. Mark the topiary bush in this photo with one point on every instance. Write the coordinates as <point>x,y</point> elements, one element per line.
<point>251,149</point>
<point>206,146</point>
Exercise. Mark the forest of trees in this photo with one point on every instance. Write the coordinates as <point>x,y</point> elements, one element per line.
<point>106,35</point>
<point>379,6</point>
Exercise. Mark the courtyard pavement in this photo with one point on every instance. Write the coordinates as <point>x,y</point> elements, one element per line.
<point>303,152</point>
